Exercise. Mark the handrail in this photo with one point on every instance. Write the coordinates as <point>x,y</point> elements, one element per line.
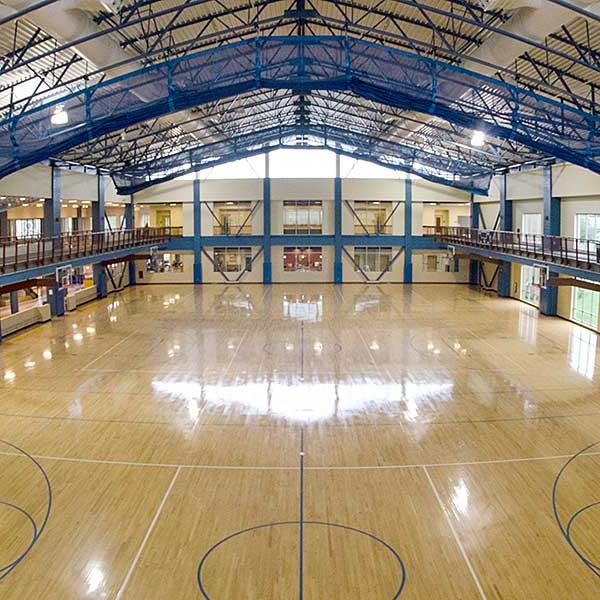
<point>173,232</point>
<point>576,252</point>
<point>19,254</point>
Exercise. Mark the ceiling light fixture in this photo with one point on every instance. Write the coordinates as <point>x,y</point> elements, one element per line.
<point>60,116</point>
<point>478,138</point>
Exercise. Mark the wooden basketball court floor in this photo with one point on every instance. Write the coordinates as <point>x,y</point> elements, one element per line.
<point>315,442</point>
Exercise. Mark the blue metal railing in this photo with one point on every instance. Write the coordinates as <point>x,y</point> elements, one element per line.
<point>575,252</point>
<point>18,254</point>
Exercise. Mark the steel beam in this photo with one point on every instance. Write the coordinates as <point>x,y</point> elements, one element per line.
<point>369,70</point>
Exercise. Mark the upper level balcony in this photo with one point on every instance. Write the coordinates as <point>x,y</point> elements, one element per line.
<point>20,254</point>
<point>573,252</point>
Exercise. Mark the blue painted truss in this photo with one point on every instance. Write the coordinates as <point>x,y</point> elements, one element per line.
<point>375,72</point>
<point>429,165</point>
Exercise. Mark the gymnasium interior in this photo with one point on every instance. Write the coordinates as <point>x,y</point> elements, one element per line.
<point>299,299</point>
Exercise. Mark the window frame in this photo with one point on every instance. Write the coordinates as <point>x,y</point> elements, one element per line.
<point>35,226</point>
<point>368,259</point>
<point>366,211</point>
<point>585,307</point>
<point>304,226</point>
<point>298,257</point>
<point>242,209</point>
<point>242,254</point>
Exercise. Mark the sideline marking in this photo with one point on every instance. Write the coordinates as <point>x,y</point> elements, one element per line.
<point>126,463</point>
<point>301,522</point>
<point>109,350</point>
<point>147,536</point>
<point>456,538</point>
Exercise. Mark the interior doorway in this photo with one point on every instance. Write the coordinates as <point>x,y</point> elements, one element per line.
<point>163,218</point>
<point>442,218</point>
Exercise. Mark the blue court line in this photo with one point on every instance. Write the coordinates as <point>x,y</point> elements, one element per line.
<point>566,531</point>
<point>301,525</point>
<point>395,554</point>
<point>37,532</point>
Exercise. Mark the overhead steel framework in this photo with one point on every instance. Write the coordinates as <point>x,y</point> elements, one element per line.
<point>151,87</point>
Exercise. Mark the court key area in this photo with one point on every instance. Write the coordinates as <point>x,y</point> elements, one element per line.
<point>314,441</point>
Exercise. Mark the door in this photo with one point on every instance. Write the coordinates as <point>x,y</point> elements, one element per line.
<point>163,218</point>
<point>442,218</point>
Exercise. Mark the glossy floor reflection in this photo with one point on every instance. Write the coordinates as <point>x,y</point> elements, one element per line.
<point>349,442</point>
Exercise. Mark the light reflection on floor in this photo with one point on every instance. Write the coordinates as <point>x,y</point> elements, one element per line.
<point>421,411</point>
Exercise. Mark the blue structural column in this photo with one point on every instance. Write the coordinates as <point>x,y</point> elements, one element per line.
<point>52,206</point>
<point>98,227</point>
<point>197,231</point>
<point>98,207</point>
<point>14,302</point>
<point>506,224</point>
<point>338,269</point>
<point>408,227</point>
<point>4,230</point>
<point>267,264</point>
<point>54,294</point>
<point>130,224</point>
<point>549,296</point>
<point>475,218</point>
